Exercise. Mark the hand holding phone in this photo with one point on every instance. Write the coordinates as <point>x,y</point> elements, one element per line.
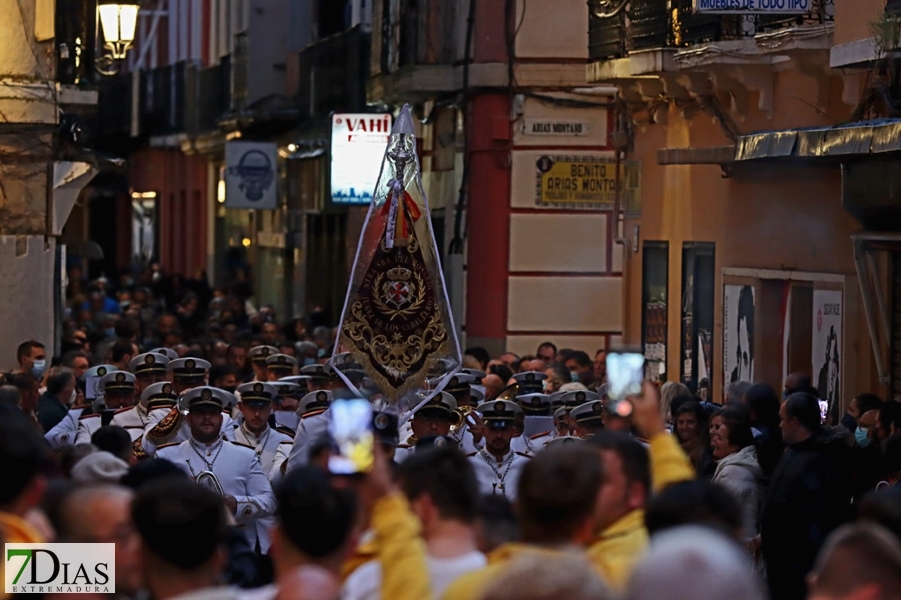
<point>625,374</point>
<point>350,427</point>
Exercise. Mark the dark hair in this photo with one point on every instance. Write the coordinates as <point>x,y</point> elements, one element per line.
<point>446,476</point>
<point>58,380</point>
<point>151,470</point>
<point>121,349</point>
<point>70,456</point>
<point>480,354</point>
<point>738,427</point>
<point>23,455</point>
<point>182,510</point>
<point>867,402</point>
<point>804,407</point>
<point>700,414</point>
<point>764,403</point>
<point>634,456</point>
<point>892,454</point>
<point>315,517</point>
<point>497,521</point>
<point>890,414</point>
<point>25,349</point>
<point>69,358</point>
<point>115,440</point>
<point>502,371</point>
<point>128,328</point>
<point>551,346</point>
<point>883,508</point>
<point>24,382</point>
<point>557,492</point>
<point>219,371</point>
<point>581,358</point>
<point>695,502</point>
<point>677,403</point>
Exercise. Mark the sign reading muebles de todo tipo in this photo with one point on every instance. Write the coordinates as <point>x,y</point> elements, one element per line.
<point>752,6</point>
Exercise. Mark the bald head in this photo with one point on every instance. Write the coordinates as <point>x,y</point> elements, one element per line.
<point>861,560</point>
<point>693,563</point>
<point>94,512</point>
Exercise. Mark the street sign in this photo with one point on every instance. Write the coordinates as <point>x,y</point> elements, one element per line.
<point>586,182</point>
<point>358,147</point>
<point>762,7</point>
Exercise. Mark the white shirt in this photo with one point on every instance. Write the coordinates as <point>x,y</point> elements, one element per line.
<point>498,477</point>
<point>366,581</point>
<point>64,433</point>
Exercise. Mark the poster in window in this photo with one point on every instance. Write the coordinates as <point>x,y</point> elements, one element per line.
<point>827,343</point>
<point>738,333</point>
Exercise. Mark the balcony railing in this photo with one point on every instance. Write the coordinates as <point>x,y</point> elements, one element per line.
<point>417,32</point>
<point>211,98</point>
<point>239,72</point>
<point>162,103</point>
<point>333,73</point>
<point>617,27</point>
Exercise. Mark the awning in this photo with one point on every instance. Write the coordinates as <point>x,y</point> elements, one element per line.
<point>854,139</point>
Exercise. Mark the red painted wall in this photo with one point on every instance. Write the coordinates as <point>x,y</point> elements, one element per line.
<point>181,184</point>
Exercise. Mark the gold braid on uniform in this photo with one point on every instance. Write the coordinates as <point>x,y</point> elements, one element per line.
<point>138,448</point>
<point>166,429</point>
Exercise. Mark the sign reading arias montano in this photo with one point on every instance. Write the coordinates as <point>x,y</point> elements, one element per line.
<point>752,6</point>
<point>587,182</point>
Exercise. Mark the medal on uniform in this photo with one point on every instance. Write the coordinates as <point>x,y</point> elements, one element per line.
<point>396,325</point>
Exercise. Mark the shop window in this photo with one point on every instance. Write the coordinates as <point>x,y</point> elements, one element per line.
<point>655,278</point>
<point>696,340</point>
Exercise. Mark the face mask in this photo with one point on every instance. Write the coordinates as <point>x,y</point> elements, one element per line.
<point>544,385</point>
<point>37,369</point>
<point>309,361</point>
<point>230,389</point>
<point>860,436</point>
<point>574,376</point>
<point>111,332</point>
<point>72,397</point>
<point>320,353</point>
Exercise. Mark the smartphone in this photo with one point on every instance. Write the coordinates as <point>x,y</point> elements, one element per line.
<point>92,388</point>
<point>625,374</point>
<point>350,427</point>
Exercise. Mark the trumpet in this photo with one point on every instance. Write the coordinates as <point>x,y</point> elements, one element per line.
<point>458,418</point>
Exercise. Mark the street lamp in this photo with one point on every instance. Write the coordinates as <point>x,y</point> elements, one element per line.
<point>118,22</point>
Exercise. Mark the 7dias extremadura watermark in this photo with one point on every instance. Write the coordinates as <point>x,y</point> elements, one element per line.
<point>59,568</point>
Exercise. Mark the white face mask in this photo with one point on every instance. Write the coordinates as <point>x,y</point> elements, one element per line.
<point>72,397</point>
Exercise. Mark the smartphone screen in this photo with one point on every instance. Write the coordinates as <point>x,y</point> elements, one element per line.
<point>625,374</point>
<point>351,429</point>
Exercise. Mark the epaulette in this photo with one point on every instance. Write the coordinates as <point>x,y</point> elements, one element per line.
<point>240,444</point>
<point>523,455</point>
<point>132,427</point>
<point>170,444</point>
<point>167,428</point>
<point>225,411</point>
<point>83,417</point>
<point>286,430</point>
<point>123,410</point>
<point>313,413</point>
<point>471,454</point>
<point>540,435</point>
<point>290,442</point>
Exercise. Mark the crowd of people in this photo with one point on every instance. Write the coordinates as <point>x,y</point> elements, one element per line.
<point>191,429</point>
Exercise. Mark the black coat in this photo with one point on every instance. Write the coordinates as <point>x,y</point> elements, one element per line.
<point>809,496</point>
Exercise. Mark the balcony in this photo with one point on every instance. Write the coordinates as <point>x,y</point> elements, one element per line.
<point>333,74</point>
<point>654,48</point>
<point>619,28</point>
<point>211,98</point>
<point>162,104</point>
<point>414,48</point>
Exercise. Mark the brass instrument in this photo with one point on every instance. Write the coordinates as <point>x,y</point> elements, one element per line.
<point>509,393</point>
<point>209,479</point>
<point>458,417</point>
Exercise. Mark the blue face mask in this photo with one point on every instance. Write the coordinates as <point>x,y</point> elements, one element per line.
<point>37,369</point>
<point>309,361</point>
<point>574,376</point>
<point>860,436</point>
<point>111,332</point>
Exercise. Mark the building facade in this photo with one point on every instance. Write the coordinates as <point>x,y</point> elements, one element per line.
<point>741,265</point>
<point>512,147</point>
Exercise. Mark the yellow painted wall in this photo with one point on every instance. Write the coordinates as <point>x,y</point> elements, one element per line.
<point>784,216</point>
<point>853,18</point>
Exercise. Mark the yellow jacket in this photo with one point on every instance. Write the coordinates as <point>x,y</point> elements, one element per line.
<point>617,549</point>
<point>15,530</point>
<point>398,547</point>
<point>471,585</point>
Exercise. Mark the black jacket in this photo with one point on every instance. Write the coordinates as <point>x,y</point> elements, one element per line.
<point>809,496</point>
